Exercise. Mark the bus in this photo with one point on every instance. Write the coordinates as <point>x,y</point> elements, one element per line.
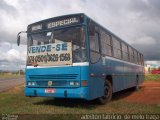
<point>72,56</point>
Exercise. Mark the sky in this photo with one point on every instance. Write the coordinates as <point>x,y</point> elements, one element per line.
<point>135,21</point>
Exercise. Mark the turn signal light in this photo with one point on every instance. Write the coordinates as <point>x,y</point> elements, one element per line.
<point>84,83</point>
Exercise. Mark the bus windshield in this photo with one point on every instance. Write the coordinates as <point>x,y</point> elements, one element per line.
<point>73,35</point>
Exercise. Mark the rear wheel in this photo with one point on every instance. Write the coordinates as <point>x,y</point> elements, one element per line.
<point>107,93</point>
<point>137,84</point>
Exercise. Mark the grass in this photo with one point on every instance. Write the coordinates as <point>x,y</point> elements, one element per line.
<point>152,77</point>
<point>14,102</point>
<point>10,76</point>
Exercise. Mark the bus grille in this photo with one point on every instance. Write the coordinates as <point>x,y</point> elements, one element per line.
<point>54,77</point>
<point>54,83</point>
<point>58,80</point>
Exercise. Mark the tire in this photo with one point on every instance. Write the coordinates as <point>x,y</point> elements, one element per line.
<point>137,84</point>
<point>107,93</point>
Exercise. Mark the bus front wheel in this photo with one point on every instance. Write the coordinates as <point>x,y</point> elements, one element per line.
<point>107,93</point>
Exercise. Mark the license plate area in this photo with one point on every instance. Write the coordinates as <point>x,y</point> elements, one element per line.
<point>50,90</point>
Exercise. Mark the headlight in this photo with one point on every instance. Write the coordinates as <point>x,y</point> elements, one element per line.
<point>29,83</point>
<point>74,83</point>
<point>71,83</point>
<point>33,83</point>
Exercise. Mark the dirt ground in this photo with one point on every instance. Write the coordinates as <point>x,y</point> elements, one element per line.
<point>149,93</point>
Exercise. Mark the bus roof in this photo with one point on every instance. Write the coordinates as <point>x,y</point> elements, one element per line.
<point>112,34</point>
<point>70,19</point>
<point>62,16</point>
<point>77,15</point>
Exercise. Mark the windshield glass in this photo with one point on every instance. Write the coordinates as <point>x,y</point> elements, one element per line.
<point>73,35</point>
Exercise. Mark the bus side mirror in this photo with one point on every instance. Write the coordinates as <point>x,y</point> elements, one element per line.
<point>18,40</point>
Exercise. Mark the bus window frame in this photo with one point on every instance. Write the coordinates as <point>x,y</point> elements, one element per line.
<point>115,48</point>
<point>111,43</point>
<point>97,53</point>
<point>96,31</point>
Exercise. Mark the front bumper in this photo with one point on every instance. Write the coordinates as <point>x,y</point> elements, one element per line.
<point>80,92</point>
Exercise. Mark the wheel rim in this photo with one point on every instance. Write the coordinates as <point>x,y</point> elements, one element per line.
<point>106,92</point>
<point>137,83</point>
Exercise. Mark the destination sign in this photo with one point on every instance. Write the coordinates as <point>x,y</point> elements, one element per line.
<point>36,27</point>
<point>63,22</point>
<point>50,54</point>
<point>56,22</point>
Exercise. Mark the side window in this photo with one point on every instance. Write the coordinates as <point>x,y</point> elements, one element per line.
<point>139,58</point>
<point>142,61</point>
<point>131,54</point>
<point>94,43</point>
<point>116,48</point>
<point>135,57</point>
<point>125,52</point>
<point>106,47</point>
